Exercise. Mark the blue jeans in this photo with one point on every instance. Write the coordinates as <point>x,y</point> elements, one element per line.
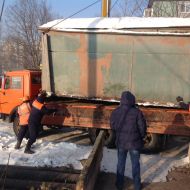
<point>135,157</point>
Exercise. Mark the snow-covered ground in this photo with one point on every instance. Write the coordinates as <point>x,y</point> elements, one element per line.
<point>47,153</point>
<point>154,168</point>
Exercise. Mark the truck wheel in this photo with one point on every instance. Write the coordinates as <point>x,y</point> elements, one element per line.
<point>5,118</point>
<point>16,126</point>
<point>93,133</point>
<point>109,137</point>
<point>152,142</point>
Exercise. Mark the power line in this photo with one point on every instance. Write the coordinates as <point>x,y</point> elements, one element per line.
<point>2,10</point>
<point>73,14</point>
<point>114,4</point>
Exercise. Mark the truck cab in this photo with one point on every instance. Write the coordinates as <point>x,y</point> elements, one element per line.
<point>14,85</point>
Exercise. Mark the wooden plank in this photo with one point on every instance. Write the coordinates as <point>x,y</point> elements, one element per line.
<point>92,166</point>
<point>39,175</point>
<point>46,169</point>
<point>29,184</point>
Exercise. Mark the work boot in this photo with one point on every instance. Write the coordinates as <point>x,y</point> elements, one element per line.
<point>28,149</point>
<point>17,146</point>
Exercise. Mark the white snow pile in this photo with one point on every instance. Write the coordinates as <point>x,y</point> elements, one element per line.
<point>154,168</point>
<point>47,153</point>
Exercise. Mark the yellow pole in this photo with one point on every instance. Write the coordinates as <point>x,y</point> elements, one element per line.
<point>105,8</point>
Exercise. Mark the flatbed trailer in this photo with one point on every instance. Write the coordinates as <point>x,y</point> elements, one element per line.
<point>94,117</point>
<point>159,120</point>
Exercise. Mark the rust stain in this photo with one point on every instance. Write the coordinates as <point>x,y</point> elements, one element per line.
<point>122,39</point>
<point>83,59</point>
<point>183,42</point>
<point>88,65</point>
<point>174,41</point>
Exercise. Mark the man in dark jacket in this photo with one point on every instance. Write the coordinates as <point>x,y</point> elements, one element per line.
<point>37,112</point>
<point>130,127</point>
<point>182,104</point>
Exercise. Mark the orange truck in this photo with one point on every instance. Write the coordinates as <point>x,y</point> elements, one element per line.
<point>84,113</point>
<point>14,85</point>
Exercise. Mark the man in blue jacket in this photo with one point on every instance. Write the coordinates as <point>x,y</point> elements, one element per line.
<point>130,128</point>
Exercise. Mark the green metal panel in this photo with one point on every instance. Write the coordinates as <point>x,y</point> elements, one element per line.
<point>64,43</point>
<point>161,68</point>
<point>106,43</point>
<point>155,68</point>
<point>119,75</point>
<point>163,79</point>
<point>66,73</point>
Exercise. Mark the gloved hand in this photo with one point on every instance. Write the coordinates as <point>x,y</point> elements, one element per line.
<point>179,99</point>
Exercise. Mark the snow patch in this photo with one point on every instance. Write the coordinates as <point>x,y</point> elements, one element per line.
<point>47,153</point>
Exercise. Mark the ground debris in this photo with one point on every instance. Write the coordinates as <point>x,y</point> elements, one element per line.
<point>179,173</point>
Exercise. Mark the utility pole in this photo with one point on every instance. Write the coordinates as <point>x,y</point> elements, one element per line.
<point>106,8</point>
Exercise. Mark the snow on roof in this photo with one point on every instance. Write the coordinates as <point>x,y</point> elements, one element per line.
<point>115,23</point>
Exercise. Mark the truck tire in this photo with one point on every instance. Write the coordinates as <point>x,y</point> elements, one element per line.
<point>152,143</point>
<point>5,118</point>
<point>109,137</point>
<point>93,133</point>
<point>16,126</point>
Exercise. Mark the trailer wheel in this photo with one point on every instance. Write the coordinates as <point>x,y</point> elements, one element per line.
<point>93,133</point>
<point>109,137</point>
<point>16,126</point>
<point>152,142</point>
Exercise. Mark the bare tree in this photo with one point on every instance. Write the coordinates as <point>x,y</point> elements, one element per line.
<point>129,8</point>
<point>23,19</point>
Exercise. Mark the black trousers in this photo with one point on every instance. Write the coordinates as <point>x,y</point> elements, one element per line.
<point>33,133</point>
<point>23,132</point>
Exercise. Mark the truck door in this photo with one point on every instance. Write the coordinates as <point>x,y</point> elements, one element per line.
<point>35,84</point>
<point>11,93</point>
